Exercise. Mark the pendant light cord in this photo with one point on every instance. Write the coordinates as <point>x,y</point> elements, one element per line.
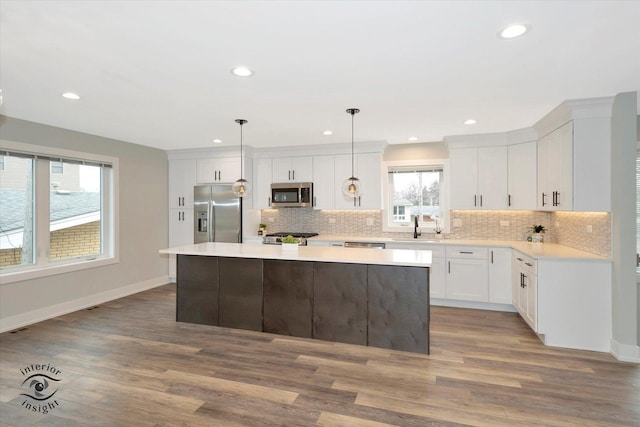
<point>241,157</point>
<point>352,161</point>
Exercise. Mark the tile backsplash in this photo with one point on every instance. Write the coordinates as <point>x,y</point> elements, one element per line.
<point>566,228</point>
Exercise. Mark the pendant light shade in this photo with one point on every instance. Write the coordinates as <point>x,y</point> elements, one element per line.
<point>352,187</point>
<point>241,187</point>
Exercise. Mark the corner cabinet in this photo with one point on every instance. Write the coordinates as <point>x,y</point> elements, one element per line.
<point>367,168</point>
<point>479,178</point>
<point>555,169</point>
<point>500,275</point>
<point>522,176</point>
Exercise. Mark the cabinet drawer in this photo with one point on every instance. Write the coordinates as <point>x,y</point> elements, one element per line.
<point>466,252</point>
<point>436,251</point>
<point>525,262</point>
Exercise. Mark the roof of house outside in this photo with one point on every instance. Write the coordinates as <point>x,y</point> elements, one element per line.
<point>63,206</point>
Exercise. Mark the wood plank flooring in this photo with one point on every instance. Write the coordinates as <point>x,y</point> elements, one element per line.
<point>129,363</point>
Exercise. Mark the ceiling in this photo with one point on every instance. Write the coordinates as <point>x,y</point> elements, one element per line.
<point>158,73</point>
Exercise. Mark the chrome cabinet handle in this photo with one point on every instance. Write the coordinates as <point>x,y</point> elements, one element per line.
<point>519,259</point>
<point>543,203</point>
<point>530,265</point>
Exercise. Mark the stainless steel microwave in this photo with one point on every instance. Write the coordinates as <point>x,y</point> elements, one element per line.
<point>292,195</point>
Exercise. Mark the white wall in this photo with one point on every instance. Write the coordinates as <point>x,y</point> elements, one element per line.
<point>623,225</point>
<point>424,150</point>
<point>143,230</point>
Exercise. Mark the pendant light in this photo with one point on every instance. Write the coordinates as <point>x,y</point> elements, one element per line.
<point>241,187</point>
<point>351,186</point>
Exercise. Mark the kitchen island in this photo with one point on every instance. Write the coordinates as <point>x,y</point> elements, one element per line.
<point>351,295</point>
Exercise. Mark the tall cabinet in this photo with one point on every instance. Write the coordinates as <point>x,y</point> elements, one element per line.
<point>182,178</point>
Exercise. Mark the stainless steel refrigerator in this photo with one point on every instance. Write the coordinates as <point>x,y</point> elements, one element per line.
<point>217,214</point>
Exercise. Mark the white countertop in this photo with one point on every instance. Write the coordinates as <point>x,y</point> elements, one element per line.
<point>535,250</point>
<point>399,257</point>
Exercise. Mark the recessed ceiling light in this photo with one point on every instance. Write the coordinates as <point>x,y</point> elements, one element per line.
<point>513,31</point>
<point>241,71</point>
<point>327,132</point>
<point>71,95</point>
<point>470,122</point>
<point>217,141</point>
<point>413,138</point>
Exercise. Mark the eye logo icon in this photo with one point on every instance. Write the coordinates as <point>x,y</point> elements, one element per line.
<point>39,387</point>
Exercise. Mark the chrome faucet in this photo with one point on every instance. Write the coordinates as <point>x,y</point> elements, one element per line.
<point>416,233</point>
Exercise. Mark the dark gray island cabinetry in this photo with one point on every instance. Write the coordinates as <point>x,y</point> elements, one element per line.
<point>354,296</point>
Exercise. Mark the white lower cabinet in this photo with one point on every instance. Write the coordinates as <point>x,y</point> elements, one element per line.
<point>180,233</point>
<point>525,288</point>
<point>467,273</point>
<point>500,275</point>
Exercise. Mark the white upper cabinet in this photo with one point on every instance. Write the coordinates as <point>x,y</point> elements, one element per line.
<point>367,168</point>
<point>262,185</point>
<point>218,170</point>
<point>522,176</point>
<point>478,178</point>
<point>574,156</point>
<point>323,186</point>
<point>555,169</point>
<point>292,169</point>
<point>182,178</point>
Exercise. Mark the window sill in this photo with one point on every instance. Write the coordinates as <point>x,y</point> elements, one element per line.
<point>35,272</point>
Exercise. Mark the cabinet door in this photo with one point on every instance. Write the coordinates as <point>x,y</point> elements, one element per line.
<point>182,178</point>
<point>323,188</point>
<point>492,178</point>
<point>288,297</point>
<point>240,283</point>
<point>467,279</point>
<point>197,293</point>
<point>522,176</point>
<point>437,278</point>
<point>180,227</point>
<point>543,199</point>
<point>262,185</point>
<point>463,175</point>
<point>340,302</point>
<point>530,292</point>
<point>500,275</point>
<point>342,172</point>
<point>369,173</point>
<point>292,169</point>
<point>564,178</point>
<point>223,170</point>
<point>366,167</point>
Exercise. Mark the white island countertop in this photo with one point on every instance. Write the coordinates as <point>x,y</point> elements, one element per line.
<point>397,257</point>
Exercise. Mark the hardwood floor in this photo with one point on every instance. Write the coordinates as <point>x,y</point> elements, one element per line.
<point>128,362</point>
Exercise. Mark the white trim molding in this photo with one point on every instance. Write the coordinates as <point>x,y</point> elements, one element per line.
<point>625,352</point>
<point>45,313</point>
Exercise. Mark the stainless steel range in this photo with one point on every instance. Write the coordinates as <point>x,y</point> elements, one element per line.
<point>276,238</point>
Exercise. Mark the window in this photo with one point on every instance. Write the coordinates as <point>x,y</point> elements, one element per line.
<point>16,211</point>
<point>57,211</point>
<point>416,189</point>
<point>75,214</point>
<point>56,167</point>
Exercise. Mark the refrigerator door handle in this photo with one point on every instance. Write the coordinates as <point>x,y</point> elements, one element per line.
<point>212,221</point>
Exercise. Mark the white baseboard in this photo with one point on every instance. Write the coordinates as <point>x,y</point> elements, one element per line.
<point>625,352</point>
<point>35,316</point>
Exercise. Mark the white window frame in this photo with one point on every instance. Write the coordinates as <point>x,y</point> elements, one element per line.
<point>42,266</point>
<point>387,226</point>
